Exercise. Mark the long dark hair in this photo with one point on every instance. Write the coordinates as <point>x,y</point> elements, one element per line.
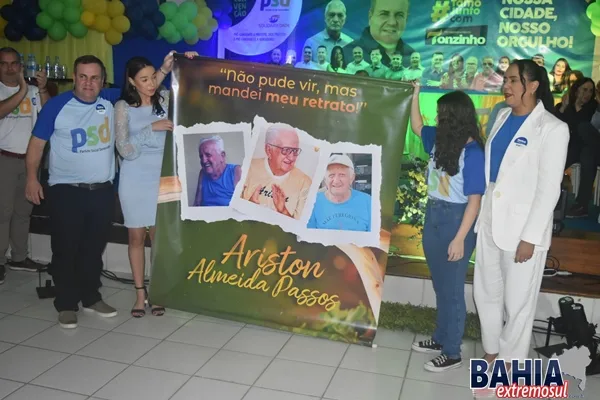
<point>130,94</point>
<point>333,59</point>
<point>457,122</point>
<point>534,73</point>
<point>575,88</point>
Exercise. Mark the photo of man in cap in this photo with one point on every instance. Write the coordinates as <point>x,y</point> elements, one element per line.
<point>340,207</point>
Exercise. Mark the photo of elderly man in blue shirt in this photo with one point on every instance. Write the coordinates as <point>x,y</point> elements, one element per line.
<point>340,207</point>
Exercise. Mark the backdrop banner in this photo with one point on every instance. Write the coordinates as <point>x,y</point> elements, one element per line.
<point>431,37</point>
<point>277,196</point>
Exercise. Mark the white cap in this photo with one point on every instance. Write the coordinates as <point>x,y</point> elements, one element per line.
<point>341,159</point>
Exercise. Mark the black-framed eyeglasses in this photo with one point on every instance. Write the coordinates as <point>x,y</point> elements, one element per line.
<point>295,151</point>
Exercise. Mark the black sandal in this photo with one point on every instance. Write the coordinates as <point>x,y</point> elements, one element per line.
<point>140,312</point>
<point>157,311</point>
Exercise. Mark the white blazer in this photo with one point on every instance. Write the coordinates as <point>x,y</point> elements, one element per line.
<point>528,184</point>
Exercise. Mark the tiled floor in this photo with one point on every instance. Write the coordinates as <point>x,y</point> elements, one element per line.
<point>183,356</point>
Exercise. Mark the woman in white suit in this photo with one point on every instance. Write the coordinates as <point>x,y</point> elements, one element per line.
<point>525,155</point>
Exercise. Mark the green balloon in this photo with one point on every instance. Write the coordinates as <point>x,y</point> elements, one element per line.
<point>180,22</point>
<point>78,30</point>
<point>43,20</point>
<point>193,40</point>
<point>595,30</point>
<point>174,38</point>
<point>167,29</point>
<point>591,9</point>
<point>71,15</point>
<point>189,32</point>
<point>44,4</point>
<point>72,3</point>
<point>189,9</point>
<point>169,9</point>
<point>56,9</point>
<point>57,31</point>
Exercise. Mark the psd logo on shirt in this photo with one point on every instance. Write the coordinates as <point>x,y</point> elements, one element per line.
<point>25,107</point>
<point>91,136</point>
<point>521,141</point>
<point>100,109</point>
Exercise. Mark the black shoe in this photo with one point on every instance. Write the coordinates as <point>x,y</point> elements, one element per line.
<point>2,273</point>
<point>427,346</point>
<point>577,212</point>
<point>27,265</point>
<point>442,363</point>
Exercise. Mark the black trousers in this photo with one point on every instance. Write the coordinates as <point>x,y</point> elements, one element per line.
<point>80,221</point>
<point>589,160</point>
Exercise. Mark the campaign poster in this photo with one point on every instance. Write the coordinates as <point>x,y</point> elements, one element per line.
<point>277,196</point>
<point>447,44</point>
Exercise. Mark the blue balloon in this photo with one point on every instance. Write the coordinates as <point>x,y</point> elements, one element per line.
<point>135,15</point>
<point>11,33</point>
<point>9,12</point>
<point>127,3</point>
<point>148,30</point>
<point>217,12</point>
<point>215,4</point>
<point>24,4</point>
<point>20,23</point>
<point>35,33</point>
<point>131,33</point>
<point>158,18</point>
<point>225,22</point>
<point>147,7</point>
<point>227,8</point>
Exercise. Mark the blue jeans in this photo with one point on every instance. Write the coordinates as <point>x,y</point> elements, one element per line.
<point>442,221</point>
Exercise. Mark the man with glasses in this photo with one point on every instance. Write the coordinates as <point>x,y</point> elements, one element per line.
<point>332,35</point>
<point>487,80</point>
<point>19,107</point>
<point>275,182</point>
<point>217,179</point>
<point>307,62</point>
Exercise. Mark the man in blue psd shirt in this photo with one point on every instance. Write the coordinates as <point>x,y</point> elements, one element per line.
<point>340,207</point>
<point>81,198</point>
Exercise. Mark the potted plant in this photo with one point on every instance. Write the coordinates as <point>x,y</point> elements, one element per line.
<point>411,197</point>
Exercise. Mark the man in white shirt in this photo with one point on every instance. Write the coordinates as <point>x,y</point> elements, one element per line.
<point>415,71</point>
<point>359,62</point>
<point>307,62</point>
<point>322,62</point>
<point>19,107</point>
<point>332,35</point>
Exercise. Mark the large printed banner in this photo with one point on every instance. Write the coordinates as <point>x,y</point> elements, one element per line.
<point>445,42</point>
<point>277,196</point>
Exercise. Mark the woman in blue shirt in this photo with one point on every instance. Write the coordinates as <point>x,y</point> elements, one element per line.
<point>141,125</point>
<point>525,156</point>
<point>455,183</point>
